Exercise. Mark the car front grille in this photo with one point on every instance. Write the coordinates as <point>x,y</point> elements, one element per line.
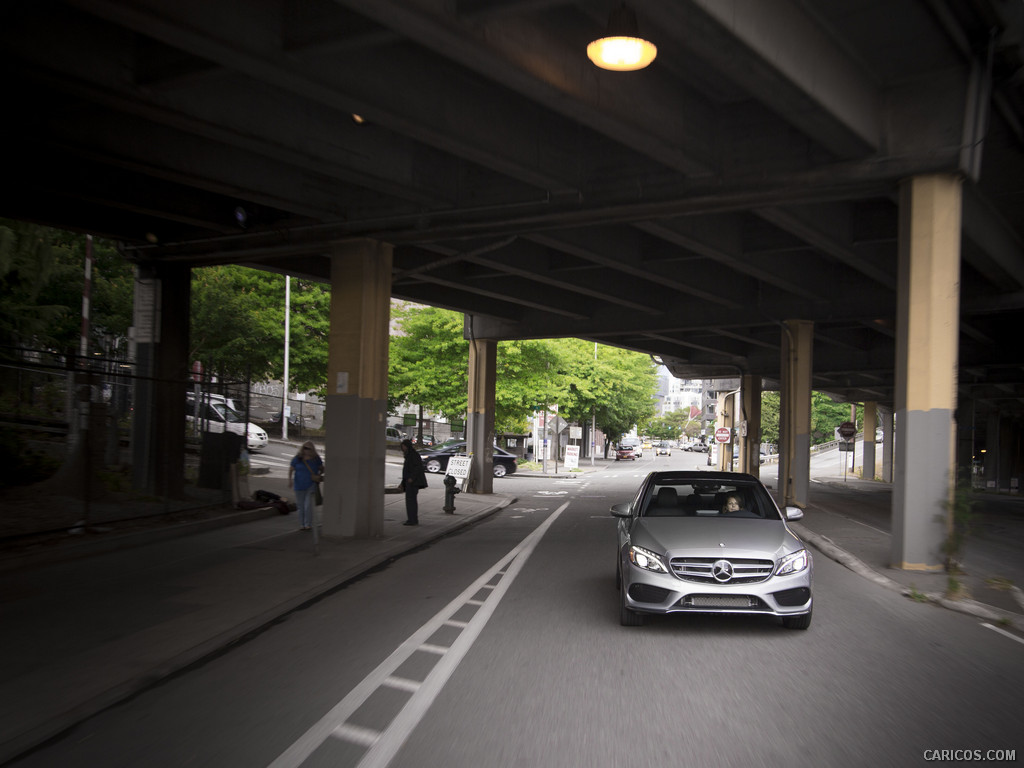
<point>736,602</point>
<point>700,569</point>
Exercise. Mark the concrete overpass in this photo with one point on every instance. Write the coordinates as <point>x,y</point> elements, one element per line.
<point>819,194</point>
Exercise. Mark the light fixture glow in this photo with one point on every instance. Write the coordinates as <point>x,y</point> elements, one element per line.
<point>622,49</point>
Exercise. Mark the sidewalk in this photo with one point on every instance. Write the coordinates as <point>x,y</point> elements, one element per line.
<point>988,587</point>
<point>80,635</point>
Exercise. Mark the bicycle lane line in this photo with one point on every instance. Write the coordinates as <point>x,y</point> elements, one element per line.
<point>382,747</point>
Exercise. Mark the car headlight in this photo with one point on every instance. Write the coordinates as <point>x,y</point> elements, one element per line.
<point>793,563</point>
<point>644,558</point>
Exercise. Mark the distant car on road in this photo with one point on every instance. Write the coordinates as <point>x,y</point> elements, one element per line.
<point>436,459</point>
<point>664,449</point>
<point>625,453</point>
<point>710,542</point>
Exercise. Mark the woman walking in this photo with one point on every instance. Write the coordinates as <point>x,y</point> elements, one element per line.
<point>304,474</point>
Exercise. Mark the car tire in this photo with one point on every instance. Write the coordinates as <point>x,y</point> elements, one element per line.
<point>500,470</point>
<point>628,618</point>
<point>432,465</point>
<point>797,622</point>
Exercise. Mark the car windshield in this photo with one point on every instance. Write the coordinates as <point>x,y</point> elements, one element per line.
<point>449,445</point>
<point>679,497</point>
<point>229,415</point>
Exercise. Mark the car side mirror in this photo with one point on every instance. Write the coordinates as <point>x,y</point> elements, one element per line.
<point>794,513</point>
<point>620,510</point>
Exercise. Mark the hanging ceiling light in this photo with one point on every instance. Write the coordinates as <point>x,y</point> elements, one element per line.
<point>622,49</point>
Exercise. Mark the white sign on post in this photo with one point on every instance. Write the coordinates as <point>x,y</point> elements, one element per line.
<point>459,467</point>
<point>572,457</point>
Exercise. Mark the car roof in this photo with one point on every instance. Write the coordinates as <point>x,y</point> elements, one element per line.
<point>667,477</point>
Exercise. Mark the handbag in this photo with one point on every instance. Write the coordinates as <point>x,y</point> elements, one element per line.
<point>318,498</point>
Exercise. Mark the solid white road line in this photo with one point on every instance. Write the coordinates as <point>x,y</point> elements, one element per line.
<point>382,747</point>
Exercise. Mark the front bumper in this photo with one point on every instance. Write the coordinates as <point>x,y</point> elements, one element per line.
<point>649,592</point>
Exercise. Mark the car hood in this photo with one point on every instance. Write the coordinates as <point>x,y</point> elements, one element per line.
<point>713,537</point>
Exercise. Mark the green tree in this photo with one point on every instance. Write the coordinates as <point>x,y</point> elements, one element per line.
<point>237,326</point>
<point>429,360</point>
<point>770,417</point>
<point>826,415</point>
<point>42,272</point>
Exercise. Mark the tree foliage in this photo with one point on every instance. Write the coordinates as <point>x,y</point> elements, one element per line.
<point>429,362</point>
<point>237,326</point>
<point>826,415</point>
<point>42,274</point>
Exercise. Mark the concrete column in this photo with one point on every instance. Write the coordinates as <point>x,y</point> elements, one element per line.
<point>750,415</point>
<point>723,418</point>
<point>990,455</point>
<point>357,389</point>
<point>795,413</point>
<point>927,329</point>
<point>161,322</point>
<point>483,355</point>
<point>888,438</point>
<point>868,470</point>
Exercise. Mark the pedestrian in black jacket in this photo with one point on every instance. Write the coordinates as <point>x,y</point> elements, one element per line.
<point>413,478</point>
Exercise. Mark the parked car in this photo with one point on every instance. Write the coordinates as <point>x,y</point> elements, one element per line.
<point>217,416</point>
<point>436,459</point>
<point>664,449</point>
<point>293,419</point>
<point>624,452</point>
<point>394,434</point>
<point>710,542</point>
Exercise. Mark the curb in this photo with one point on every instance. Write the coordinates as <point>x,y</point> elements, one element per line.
<point>971,607</point>
<point>147,678</point>
<point>84,548</point>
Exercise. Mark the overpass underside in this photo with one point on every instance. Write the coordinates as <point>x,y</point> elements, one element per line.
<point>823,195</point>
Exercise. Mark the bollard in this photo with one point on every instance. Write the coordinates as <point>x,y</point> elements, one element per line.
<point>449,494</point>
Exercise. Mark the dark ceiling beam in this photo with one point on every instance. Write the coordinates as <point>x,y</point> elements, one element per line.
<point>830,230</point>
<point>356,85</point>
<point>695,235</point>
<point>988,229</point>
<point>833,101</point>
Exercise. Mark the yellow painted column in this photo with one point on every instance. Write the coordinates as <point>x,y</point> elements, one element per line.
<point>927,333</point>
<point>795,413</point>
<point>483,355</point>
<point>357,389</point>
<point>869,470</point>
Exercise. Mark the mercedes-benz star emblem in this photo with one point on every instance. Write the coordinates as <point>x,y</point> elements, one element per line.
<point>721,570</point>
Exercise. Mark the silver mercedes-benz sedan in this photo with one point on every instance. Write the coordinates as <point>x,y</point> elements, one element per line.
<point>710,542</point>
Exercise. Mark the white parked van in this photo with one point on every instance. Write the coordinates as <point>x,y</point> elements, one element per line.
<point>214,414</point>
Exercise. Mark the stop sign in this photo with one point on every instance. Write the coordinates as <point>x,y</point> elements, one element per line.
<point>847,430</point>
<point>722,434</point>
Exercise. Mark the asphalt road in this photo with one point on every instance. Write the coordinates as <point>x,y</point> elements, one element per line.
<point>539,672</point>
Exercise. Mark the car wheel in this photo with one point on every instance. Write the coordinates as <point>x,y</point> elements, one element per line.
<point>628,618</point>
<point>797,622</point>
<point>433,465</point>
<point>500,470</point>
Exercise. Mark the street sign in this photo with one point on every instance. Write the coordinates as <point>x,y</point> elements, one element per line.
<point>572,457</point>
<point>722,434</point>
<point>459,467</point>
<point>847,430</point>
